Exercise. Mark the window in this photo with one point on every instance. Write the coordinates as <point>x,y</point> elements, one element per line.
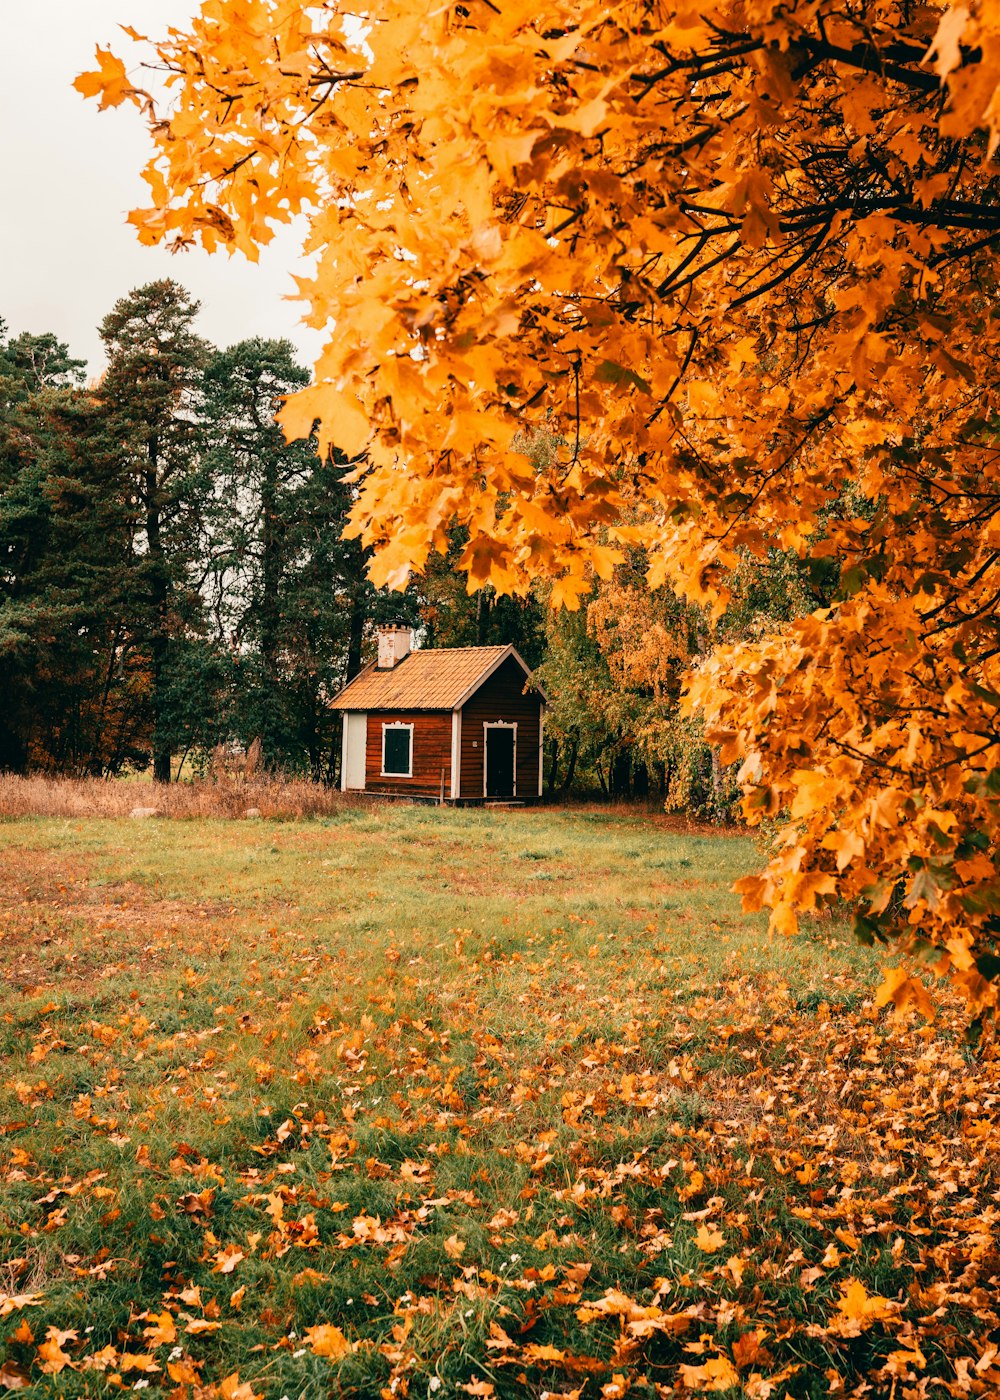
<point>397,751</point>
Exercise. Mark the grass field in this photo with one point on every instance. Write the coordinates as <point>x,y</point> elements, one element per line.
<point>410,1102</point>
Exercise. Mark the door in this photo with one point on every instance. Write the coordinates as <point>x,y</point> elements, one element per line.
<point>500,753</point>
<point>355,745</point>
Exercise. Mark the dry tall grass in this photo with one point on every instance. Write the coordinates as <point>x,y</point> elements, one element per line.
<point>94,797</point>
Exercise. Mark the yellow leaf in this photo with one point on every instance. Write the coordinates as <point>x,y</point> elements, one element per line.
<point>454,1247</point>
<point>858,1309</point>
<point>568,591</point>
<point>109,81</point>
<point>162,1330</point>
<point>232,1389</point>
<point>342,422</point>
<point>14,1302</point>
<point>709,1238</point>
<point>946,44</point>
<point>327,1340</point>
<point>227,1259</point>
<point>904,991</point>
<point>717,1374</point>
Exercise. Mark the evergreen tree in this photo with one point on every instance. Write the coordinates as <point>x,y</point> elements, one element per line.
<point>288,595</point>
<point>153,398</point>
<point>59,532</point>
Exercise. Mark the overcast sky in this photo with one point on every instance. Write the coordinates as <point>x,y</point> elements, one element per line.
<point>69,174</point>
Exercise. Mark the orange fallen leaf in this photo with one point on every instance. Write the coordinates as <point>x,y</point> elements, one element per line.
<point>232,1389</point>
<point>717,1374</point>
<point>13,1302</point>
<point>227,1259</point>
<point>197,1325</point>
<point>454,1247</point>
<point>327,1340</point>
<point>14,1377</point>
<point>858,1309</point>
<point>50,1353</point>
<point>709,1238</point>
<point>162,1330</point>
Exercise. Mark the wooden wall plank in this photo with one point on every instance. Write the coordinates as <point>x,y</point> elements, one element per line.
<point>431,752</point>
<point>501,700</point>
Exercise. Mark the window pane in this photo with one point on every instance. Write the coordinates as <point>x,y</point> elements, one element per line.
<point>397,751</point>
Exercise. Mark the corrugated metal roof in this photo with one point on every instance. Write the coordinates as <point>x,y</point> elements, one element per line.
<point>437,679</point>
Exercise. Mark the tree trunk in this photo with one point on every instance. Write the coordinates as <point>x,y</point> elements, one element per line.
<point>620,775</point>
<point>574,754</point>
<point>359,608</point>
<point>159,589</point>
<point>717,781</point>
<point>482,617</point>
<point>270,598</point>
<point>553,765</point>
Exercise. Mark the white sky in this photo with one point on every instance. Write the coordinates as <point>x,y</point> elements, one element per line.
<point>69,175</point>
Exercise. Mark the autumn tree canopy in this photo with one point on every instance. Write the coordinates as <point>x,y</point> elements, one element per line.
<point>740,260</point>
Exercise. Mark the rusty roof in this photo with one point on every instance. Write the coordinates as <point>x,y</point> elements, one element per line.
<point>441,678</point>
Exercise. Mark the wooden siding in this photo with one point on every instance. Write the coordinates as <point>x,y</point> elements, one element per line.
<point>501,700</point>
<point>431,752</point>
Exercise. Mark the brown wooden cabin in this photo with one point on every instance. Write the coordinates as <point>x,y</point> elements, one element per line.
<point>455,724</point>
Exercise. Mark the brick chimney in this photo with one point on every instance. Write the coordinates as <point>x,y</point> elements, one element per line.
<point>395,642</point>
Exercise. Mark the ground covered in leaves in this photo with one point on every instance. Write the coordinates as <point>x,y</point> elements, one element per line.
<point>417,1103</point>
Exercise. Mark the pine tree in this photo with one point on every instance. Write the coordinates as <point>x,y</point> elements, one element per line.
<point>153,395</point>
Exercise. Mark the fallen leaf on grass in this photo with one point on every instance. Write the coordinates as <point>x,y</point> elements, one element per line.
<point>498,1339</point>
<point>50,1354</point>
<point>138,1361</point>
<point>102,1360</point>
<point>717,1374</point>
<point>327,1340</point>
<point>535,1353</point>
<point>14,1302</point>
<point>161,1330</point>
<point>858,1309</point>
<point>747,1349</point>
<point>13,1377</point>
<point>709,1238</point>
<point>227,1259</point>
<point>232,1389</point>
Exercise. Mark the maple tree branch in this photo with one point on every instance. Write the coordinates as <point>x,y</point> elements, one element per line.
<point>871,59</point>
<point>677,379</point>
<point>786,272</point>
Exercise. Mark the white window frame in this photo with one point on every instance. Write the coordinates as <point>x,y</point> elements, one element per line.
<point>397,724</point>
<point>498,724</point>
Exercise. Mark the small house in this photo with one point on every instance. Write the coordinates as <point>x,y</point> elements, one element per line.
<point>456,724</point>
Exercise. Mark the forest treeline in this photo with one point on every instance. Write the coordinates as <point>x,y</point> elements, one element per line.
<point>174,577</point>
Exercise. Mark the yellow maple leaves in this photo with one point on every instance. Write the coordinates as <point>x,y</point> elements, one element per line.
<point>109,81</point>
<point>327,1340</point>
<point>718,1373</point>
<point>709,1238</point>
<point>857,1309</point>
<point>740,338</point>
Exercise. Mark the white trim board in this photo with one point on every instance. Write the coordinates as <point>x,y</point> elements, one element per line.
<point>541,750</point>
<point>456,754</point>
<point>354,752</point>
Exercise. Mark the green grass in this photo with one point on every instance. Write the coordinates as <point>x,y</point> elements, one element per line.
<point>434,1073</point>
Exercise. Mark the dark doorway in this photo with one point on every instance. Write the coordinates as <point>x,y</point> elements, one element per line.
<point>500,762</point>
